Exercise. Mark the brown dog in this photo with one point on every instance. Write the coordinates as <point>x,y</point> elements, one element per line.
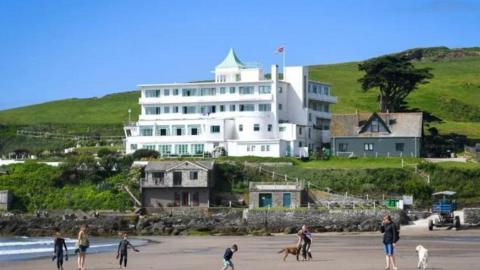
<point>289,250</point>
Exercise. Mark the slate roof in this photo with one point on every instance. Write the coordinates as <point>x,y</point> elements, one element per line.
<point>399,124</point>
<point>168,165</point>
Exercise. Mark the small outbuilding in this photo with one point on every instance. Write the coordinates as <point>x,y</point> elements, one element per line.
<point>277,194</point>
<point>5,200</point>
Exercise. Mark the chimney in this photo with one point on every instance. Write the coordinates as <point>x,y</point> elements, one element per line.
<point>274,72</point>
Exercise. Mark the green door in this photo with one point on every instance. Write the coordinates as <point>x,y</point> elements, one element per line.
<point>287,200</point>
<point>265,200</point>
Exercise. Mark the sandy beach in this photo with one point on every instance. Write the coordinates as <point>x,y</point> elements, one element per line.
<point>362,251</point>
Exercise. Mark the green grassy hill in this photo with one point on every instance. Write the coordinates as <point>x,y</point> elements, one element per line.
<point>452,96</point>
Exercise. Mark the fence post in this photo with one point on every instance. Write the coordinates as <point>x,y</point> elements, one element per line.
<point>273,175</point>
<point>402,162</point>
<point>374,204</point>
<point>286,179</point>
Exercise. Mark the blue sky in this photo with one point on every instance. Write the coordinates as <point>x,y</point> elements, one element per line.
<point>77,48</point>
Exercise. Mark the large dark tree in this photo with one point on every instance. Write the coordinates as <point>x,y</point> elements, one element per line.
<point>395,77</point>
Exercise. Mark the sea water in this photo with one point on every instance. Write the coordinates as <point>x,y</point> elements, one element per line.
<point>21,248</point>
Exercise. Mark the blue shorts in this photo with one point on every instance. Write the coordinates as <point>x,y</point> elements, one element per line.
<point>83,248</point>
<point>227,263</point>
<point>388,249</point>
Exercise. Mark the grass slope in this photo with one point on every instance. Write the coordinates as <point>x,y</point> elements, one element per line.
<point>457,77</point>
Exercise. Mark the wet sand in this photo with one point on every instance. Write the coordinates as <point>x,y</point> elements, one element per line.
<point>448,250</point>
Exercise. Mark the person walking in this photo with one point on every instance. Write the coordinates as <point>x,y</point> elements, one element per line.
<point>58,246</point>
<point>304,243</point>
<point>83,244</point>
<point>390,238</point>
<point>122,251</point>
<point>227,257</point>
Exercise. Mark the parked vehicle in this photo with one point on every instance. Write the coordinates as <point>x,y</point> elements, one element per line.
<point>444,206</point>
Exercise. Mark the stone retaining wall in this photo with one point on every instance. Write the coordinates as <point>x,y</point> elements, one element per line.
<point>471,215</point>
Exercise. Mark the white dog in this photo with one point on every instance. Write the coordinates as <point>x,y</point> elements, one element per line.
<point>422,257</point>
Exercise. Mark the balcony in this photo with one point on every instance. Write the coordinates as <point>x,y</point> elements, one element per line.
<point>320,114</point>
<point>205,99</point>
<point>324,98</point>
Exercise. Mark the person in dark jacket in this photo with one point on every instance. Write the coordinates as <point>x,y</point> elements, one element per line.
<point>58,246</point>
<point>122,251</point>
<point>227,257</point>
<point>390,238</point>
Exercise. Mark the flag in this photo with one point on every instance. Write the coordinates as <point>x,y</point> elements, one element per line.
<point>280,49</point>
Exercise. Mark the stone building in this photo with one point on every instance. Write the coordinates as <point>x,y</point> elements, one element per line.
<point>177,184</point>
<point>276,194</point>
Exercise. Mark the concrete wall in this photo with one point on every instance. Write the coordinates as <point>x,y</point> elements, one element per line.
<point>202,181</point>
<point>383,147</point>
<point>165,197</point>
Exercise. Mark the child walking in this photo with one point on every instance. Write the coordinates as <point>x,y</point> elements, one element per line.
<point>227,257</point>
<point>59,245</point>
<point>122,250</point>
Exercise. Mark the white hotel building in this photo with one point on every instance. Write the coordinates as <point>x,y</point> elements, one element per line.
<point>242,112</point>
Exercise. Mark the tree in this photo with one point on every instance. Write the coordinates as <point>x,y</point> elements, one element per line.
<point>395,77</point>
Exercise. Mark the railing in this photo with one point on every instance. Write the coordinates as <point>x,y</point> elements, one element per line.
<point>63,136</point>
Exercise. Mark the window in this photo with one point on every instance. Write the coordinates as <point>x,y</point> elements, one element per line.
<point>214,129</point>
<point>280,90</point>
<point>181,149</point>
<point>309,117</point>
<point>194,130</point>
<point>343,147</point>
<point>300,144</point>
<point>238,77</point>
<point>146,131</point>
<point>164,149</point>
<point>176,197</point>
<point>158,177</point>
<point>187,92</point>
<point>232,107</point>
<point>250,148</point>
<point>375,125</point>
<point>256,127</point>
<point>194,175</point>
<point>152,110</point>
<point>268,147</point>
<point>245,90</point>
<point>282,129</point>
<point>222,108</point>
<point>162,131</point>
<point>247,107</point>
<point>166,92</point>
<point>177,181</point>
<point>300,130</point>
<point>189,109</point>
<point>207,91</point>
<point>179,130</point>
<point>175,92</point>
<point>223,90</point>
<point>149,146</point>
<point>269,127</point>
<point>264,89</point>
<point>129,132</point>
<point>175,109</point>
<point>262,148</point>
<point>152,93</point>
<point>208,109</point>
<point>221,78</point>
<point>232,90</point>
<point>279,106</point>
<point>240,127</point>
<point>197,149</point>
<point>133,146</point>
<point>399,147</point>
<point>166,109</point>
<point>368,147</point>
<point>264,107</point>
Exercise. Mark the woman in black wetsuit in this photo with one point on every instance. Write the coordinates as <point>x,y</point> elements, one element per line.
<point>59,245</point>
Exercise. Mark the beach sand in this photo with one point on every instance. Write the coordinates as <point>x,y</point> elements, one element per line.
<point>454,250</point>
